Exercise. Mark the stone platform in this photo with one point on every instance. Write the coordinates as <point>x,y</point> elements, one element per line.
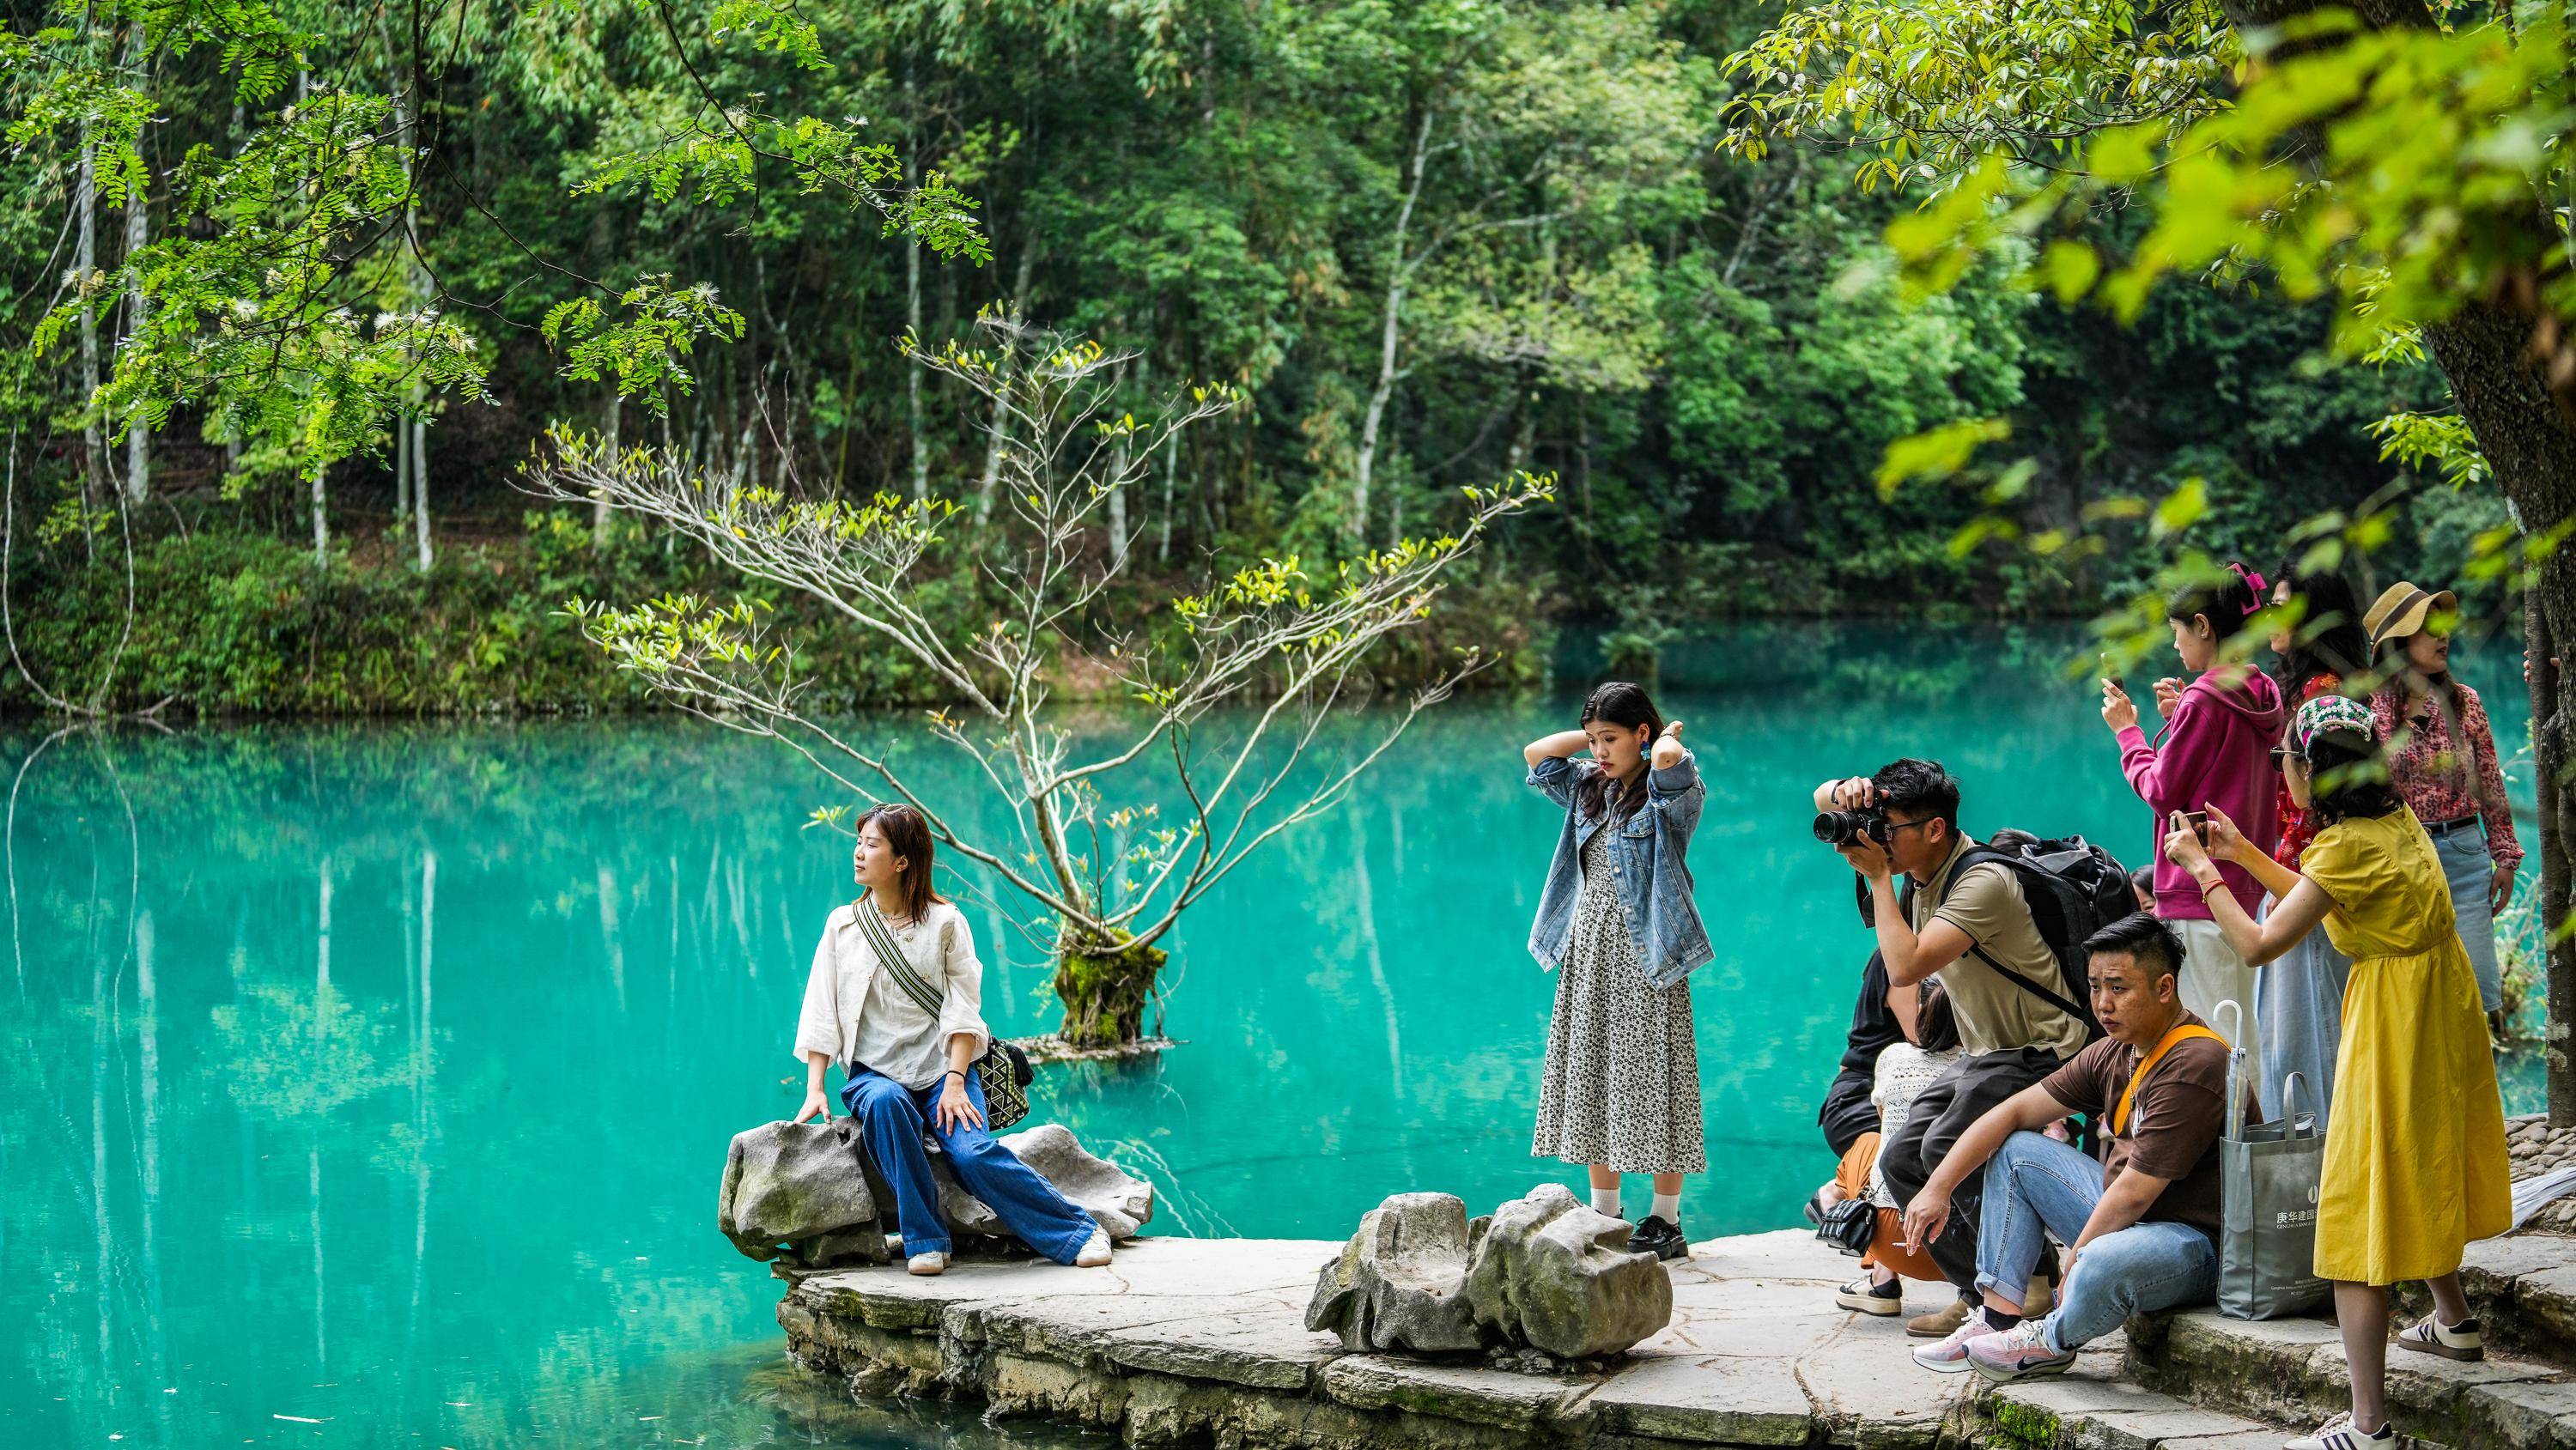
<point>1205,1339</point>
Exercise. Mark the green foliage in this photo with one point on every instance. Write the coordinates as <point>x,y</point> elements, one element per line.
<point>1603,275</point>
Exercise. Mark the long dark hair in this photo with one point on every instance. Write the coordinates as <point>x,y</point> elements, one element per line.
<point>908,836</point>
<point>1628,707</point>
<point>2328,639</point>
<point>2361,789</point>
<point>1936,1022</point>
<point>2227,599</point>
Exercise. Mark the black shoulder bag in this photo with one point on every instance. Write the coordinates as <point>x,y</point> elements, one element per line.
<point>1003,1069</point>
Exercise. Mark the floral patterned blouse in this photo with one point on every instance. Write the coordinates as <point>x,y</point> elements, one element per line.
<point>2296,829</point>
<point>2443,778</point>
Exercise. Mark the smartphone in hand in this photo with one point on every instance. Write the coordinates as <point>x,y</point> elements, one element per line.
<point>2199,823</point>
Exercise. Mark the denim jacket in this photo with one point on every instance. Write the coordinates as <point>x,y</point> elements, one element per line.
<point>1647,864</point>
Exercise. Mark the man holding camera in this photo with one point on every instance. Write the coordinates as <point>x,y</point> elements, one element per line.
<point>1972,927</point>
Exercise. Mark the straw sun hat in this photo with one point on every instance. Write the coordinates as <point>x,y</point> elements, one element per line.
<point>2400,610</point>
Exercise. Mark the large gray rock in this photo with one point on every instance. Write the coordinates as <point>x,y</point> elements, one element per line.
<point>1544,1273</point>
<point>1553,1274</point>
<point>1122,1204</point>
<point>785,1182</point>
<point>805,1192</point>
<point>1396,1284</point>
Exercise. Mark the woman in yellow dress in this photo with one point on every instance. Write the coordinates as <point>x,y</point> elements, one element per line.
<point>2415,1159</point>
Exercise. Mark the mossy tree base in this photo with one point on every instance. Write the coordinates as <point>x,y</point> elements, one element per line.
<point>1104,991</point>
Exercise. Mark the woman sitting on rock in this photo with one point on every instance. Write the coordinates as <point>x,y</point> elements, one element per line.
<point>907,1070</point>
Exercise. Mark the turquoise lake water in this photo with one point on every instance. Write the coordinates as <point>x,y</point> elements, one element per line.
<point>370,1085</point>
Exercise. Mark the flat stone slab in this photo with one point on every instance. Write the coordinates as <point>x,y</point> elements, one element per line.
<point>1198,1340</point>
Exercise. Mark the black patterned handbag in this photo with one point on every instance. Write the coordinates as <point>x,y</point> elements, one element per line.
<point>1003,1069</point>
<point>1849,1225</point>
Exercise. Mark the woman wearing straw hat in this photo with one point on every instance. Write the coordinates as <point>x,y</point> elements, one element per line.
<point>2415,1158</point>
<point>2442,759</point>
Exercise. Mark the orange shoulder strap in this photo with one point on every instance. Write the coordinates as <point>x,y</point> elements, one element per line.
<point>2182,1032</point>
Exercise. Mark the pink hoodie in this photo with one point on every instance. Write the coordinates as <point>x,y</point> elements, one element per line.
<point>2215,751</point>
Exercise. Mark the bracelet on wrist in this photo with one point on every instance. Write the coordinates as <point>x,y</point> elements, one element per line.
<point>2212,886</point>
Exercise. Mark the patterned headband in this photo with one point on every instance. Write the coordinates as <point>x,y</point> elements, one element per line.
<point>2328,713</point>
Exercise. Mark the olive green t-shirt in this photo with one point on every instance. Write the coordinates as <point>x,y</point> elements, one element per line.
<point>1995,1015</point>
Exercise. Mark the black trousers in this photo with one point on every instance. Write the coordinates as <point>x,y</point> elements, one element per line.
<point>1847,1112</point>
<point>1963,1093</point>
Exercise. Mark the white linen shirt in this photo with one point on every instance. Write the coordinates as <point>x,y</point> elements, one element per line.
<point>854,1012</point>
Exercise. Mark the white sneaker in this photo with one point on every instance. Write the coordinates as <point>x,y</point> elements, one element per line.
<point>2338,1434</point>
<point>2430,1335</point>
<point>927,1264</point>
<point>1095,1251</point>
<point>1885,1300</point>
<point>1949,1355</point>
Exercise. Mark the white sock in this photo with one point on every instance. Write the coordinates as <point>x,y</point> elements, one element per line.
<point>1668,1207</point>
<point>1606,1200</point>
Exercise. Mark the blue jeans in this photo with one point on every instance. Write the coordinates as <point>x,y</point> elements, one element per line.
<point>2471,873</point>
<point>2035,1183</point>
<point>893,1118</point>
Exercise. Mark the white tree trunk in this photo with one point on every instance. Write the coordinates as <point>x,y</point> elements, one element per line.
<point>321,524</point>
<point>420,490</point>
<point>84,262</point>
<point>993,439</point>
<point>1118,508</point>
<point>599,505</point>
<point>1171,461</point>
<point>912,301</point>
<point>1399,272</point>
<point>402,476</point>
<point>138,434</point>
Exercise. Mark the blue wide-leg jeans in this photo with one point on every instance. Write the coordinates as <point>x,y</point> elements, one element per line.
<point>893,1117</point>
<point>2035,1183</point>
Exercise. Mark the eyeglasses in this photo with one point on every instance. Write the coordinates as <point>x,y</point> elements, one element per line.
<point>1895,826</point>
<point>2282,752</point>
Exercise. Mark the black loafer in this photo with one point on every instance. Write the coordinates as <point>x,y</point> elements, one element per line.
<point>1660,1237</point>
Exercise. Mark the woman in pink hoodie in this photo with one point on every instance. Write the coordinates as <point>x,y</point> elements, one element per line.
<point>2214,751</point>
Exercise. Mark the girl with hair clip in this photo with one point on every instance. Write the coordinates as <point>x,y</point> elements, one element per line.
<point>896,998</point>
<point>1620,1090</point>
<point>2213,754</point>
<point>2442,759</point>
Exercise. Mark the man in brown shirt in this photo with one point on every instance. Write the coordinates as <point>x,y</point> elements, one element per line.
<point>2142,1225</point>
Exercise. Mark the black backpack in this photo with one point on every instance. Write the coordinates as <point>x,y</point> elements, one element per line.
<point>2074,889</point>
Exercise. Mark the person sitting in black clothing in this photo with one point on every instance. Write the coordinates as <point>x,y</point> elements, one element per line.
<point>1847,1111</point>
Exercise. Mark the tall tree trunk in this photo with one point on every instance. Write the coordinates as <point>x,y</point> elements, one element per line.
<point>1118,507</point>
<point>2529,441</point>
<point>1171,465</point>
<point>1399,271</point>
<point>912,295</point>
<point>2549,755</point>
<point>993,436</point>
<point>402,477</point>
<point>321,523</point>
<point>138,224</point>
<point>420,491</point>
<point>85,262</point>
<point>599,505</point>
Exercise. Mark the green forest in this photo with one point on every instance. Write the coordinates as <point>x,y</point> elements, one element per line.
<point>1432,245</point>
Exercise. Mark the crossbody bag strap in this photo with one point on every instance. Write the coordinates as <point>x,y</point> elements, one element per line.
<point>2181,1033</point>
<point>2054,999</point>
<point>890,956</point>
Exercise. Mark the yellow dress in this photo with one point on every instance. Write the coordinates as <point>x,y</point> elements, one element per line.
<point>2415,1158</point>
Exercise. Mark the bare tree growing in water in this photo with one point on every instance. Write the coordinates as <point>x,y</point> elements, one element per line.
<point>1106,880</point>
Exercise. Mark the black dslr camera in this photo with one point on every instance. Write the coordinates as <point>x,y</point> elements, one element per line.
<point>1841,828</point>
